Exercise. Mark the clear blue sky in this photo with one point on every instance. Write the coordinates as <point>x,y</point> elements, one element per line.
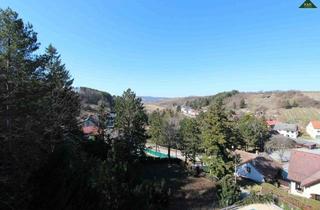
<point>181,47</point>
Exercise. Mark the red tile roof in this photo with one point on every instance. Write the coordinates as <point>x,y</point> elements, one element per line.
<point>90,130</point>
<point>272,122</point>
<point>245,156</point>
<point>304,167</point>
<point>313,179</point>
<point>315,124</point>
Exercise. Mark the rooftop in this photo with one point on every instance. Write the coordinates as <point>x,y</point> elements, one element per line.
<point>315,124</point>
<point>286,126</point>
<point>312,151</point>
<point>246,156</point>
<point>304,166</point>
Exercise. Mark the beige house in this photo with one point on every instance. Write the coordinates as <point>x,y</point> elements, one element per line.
<point>313,129</point>
<point>304,173</point>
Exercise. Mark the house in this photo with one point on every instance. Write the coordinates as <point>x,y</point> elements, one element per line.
<point>90,126</point>
<point>189,111</point>
<point>110,120</point>
<point>288,130</point>
<point>258,168</point>
<point>313,129</point>
<point>305,143</point>
<point>272,123</point>
<point>304,173</point>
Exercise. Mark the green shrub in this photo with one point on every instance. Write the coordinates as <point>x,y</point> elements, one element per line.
<point>257,198</point>
<point>228,191</point>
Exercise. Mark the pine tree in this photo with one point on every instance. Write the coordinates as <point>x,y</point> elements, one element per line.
<point>131,120</point>
<point>218,138</point>
<point>61,104</point>
<point>190,134</point>
<point>156,127</point>
<point>35,109</point>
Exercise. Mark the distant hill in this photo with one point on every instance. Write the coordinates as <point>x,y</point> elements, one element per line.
<point>287,106</point>
<point>91,99</point>
<point>152,99</point>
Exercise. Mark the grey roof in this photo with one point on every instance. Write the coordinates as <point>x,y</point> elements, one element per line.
<point>305,142</point>
<point>286,127</point>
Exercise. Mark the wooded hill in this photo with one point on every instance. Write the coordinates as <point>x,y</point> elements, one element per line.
<point>91,99</point>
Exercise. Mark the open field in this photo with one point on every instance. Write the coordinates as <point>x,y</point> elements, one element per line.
<point>153,107</point>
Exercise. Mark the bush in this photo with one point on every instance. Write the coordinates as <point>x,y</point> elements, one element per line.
<point>228,191</point>
<point>257,198</point>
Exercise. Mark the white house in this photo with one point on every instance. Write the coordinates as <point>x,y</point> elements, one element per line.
<point>189,111</point>
<point>313,129</point>
<point>304,173</point>
<point>256,167</point>
<point>288,130</point>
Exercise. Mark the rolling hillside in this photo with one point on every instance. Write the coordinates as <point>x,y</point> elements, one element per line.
<point>272,104</point>
<point>91,99</point>
<point>304,106</point>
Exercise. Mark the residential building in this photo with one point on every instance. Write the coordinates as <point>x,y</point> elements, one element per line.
<point>304,173</point>
<point>313,129</point>
<point>272,123</point>
<point>256,167</point>
<point>90,125</point>
<point>110,120</point>
<point>189,111</point>
<point>288,130</point>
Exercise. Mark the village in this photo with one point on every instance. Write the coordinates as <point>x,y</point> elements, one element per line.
<point>159,105</point>
<point>289,160</point>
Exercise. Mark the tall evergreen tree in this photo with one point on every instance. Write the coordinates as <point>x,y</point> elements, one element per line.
<point>218,138</point>
<point>61,104</point>
<point>35,109</point>
<point>20,89</point>
<point>131,121</point>
<point>190,134</point>
<point>156,127</point>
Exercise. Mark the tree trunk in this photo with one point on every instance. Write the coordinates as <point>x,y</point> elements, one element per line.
<point>8,127</point>
<point>169,151</point>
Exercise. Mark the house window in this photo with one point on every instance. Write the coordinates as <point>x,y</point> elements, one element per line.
<point>248,169</point>
<point>298,187</point>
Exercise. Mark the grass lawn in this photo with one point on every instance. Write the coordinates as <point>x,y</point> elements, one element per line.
<point>187,192</point>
